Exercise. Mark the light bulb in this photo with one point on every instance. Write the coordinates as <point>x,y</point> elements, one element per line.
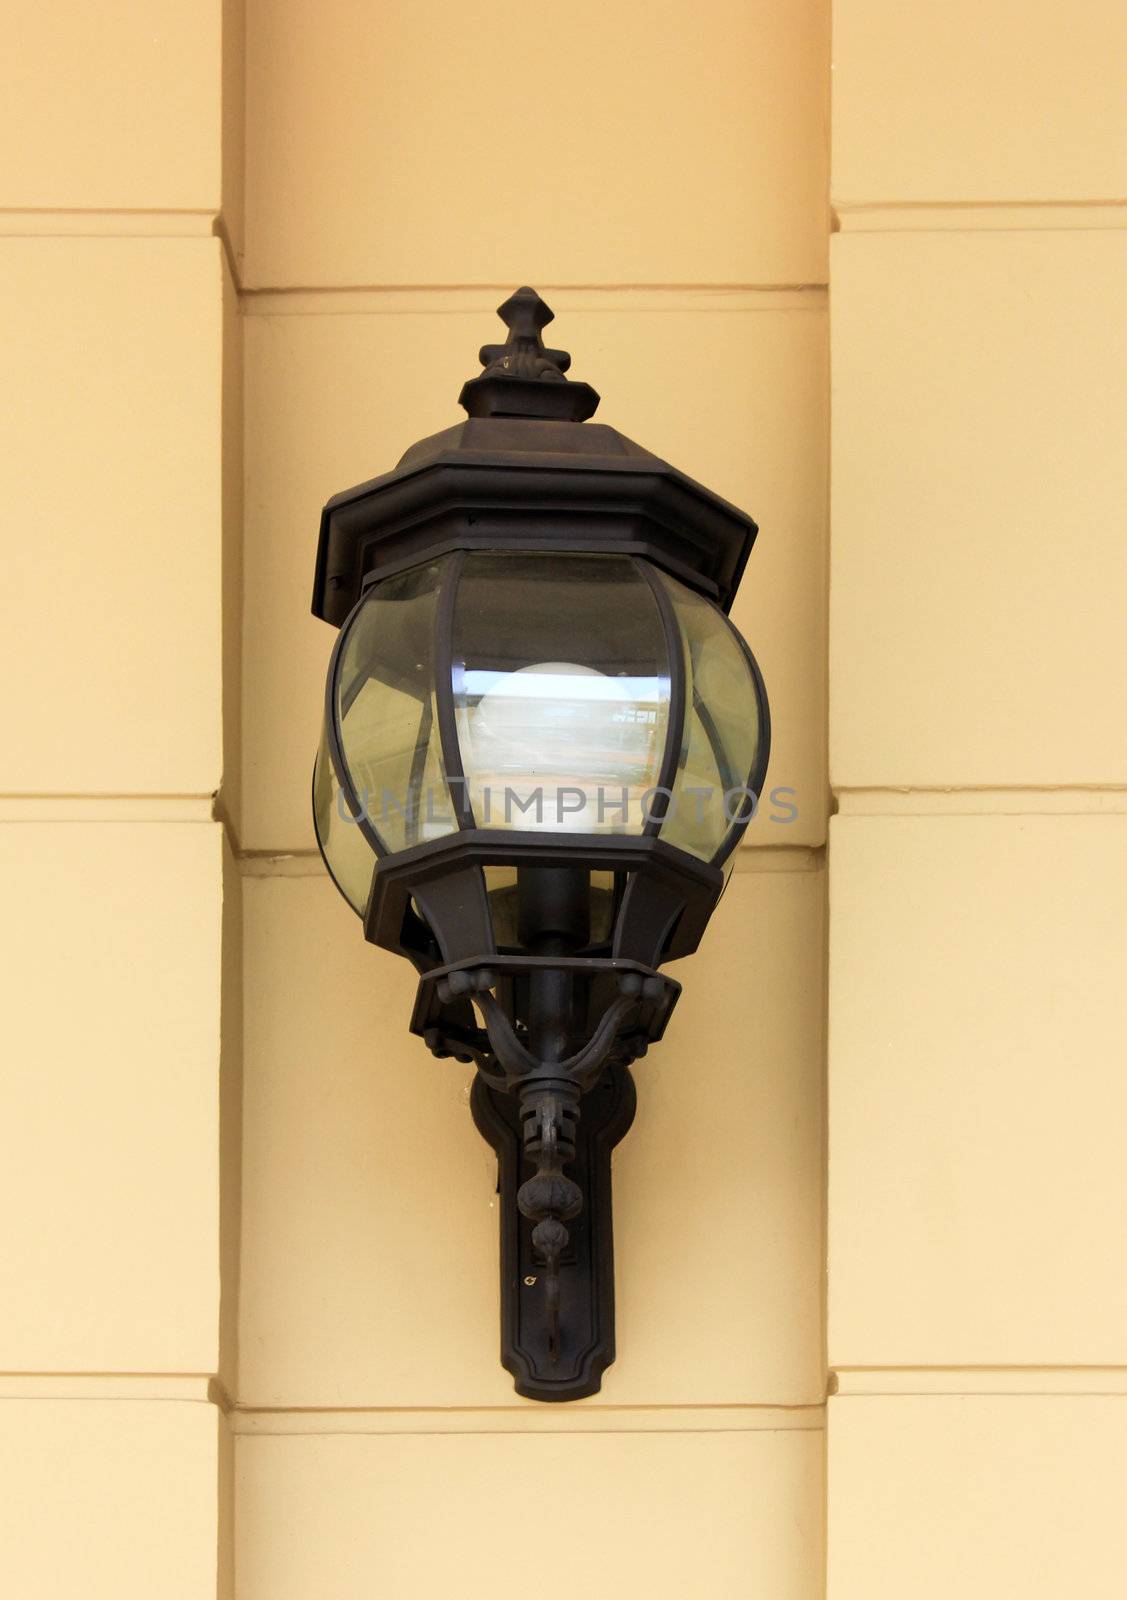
<point>560,747</point>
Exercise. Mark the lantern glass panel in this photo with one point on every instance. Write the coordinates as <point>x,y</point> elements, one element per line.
<point>385,704</point>
<point>561,682</point>
<point>721,745</point>
<point>348,853</point>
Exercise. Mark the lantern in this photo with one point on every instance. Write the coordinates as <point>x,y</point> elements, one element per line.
<point>543,739</point>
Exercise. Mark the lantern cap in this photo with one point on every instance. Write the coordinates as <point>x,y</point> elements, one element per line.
<point>526,470</point>
<point>522,378</point>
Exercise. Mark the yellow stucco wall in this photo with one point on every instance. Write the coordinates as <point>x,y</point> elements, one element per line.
<point>249,1342</point>
<point>978,859</point>
<point>119,464</point>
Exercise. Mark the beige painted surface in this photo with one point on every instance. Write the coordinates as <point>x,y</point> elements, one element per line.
<point>979,100</point>
<point>977,1205</point>
<point>115,302</point>
<point>112,107</point>
<point>978,1199</point>
<point>438,143</point>
<point>983,1496</point>
<point>664,1515</point>
<point>979,484</point>
<point>109,1182</point>
<point>108,1499</point>
<point>369,1267</point>
<point>111,474</point>
<point>334,398</point>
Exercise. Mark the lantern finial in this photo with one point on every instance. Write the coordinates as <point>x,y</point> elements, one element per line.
<point>523,354</point>
<point>521,377</point>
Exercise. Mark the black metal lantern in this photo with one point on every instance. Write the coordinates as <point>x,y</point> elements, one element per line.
<point>543,739</point>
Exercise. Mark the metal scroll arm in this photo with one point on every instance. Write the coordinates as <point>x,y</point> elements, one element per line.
<point>519,1063</point>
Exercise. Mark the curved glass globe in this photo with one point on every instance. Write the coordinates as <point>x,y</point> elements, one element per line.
<point>346,849</point>
<point>379,784</point>
<point>536,692</point>
<point>725,739</point>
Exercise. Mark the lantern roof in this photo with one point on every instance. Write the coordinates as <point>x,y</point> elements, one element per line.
<point>528,470</point>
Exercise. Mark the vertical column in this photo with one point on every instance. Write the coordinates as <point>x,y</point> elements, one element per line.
<point>658,173</point>
<point>978,1298</point>
<point>115,291</point>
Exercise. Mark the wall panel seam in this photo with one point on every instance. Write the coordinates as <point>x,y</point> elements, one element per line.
<point>398,1422</point>
<point>179,1388</point>
<point>985,216</point>
<point>439,299</point>
<point>1078,800</point>
<point>1018,1381</point>
<point>106,224</point>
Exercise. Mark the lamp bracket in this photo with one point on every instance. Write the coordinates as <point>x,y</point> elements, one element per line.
<point>583,1346</point>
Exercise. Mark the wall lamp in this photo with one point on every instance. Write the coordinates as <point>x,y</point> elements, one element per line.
<point>543,740</point>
